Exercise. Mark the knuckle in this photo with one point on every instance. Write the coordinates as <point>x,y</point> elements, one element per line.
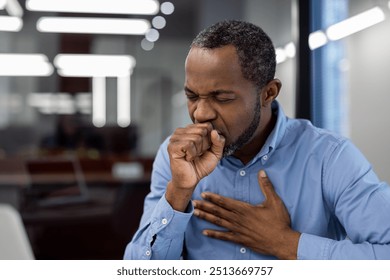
<point>220,201</point>
<point>218,221</point>
<point>215,211</point>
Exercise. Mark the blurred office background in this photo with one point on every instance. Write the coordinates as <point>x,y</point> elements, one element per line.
<point>106,98</point>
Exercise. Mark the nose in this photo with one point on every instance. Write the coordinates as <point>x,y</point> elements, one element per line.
<point>204,111</point>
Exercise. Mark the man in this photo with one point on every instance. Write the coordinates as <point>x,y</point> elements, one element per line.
<point>211,192</point>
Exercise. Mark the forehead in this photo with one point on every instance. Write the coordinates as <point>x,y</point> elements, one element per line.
<point>214,67</point>
<point>223,57</point>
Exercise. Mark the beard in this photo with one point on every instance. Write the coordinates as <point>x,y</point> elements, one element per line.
<point>248,133</point>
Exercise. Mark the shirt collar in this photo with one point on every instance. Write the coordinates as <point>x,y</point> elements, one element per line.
<point>276,134</point>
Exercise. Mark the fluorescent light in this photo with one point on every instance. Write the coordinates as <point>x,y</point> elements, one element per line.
<point>280,55</point>
<point>290,50</point>
<point>13,8</point>
<point>99,101</point>
<point>120,26</point>
<point>60,102</point>
<point>93,65</point>
<point>123,101</point>
<point>84,102</point>
<point>317,39</point>
<point>388,4</point>
<point>146,7</point>
<point>12,24</point>
<point>355,24</point>
<point>25,65</point>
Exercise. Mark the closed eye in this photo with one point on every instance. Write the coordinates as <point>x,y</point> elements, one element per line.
<point>192,96</point>
<point>221,99</point>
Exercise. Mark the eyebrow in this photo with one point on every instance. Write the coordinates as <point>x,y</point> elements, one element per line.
<point>214,92</point>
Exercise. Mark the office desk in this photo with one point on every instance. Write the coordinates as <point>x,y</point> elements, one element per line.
<point>100,206</point>
<point>97,229</point>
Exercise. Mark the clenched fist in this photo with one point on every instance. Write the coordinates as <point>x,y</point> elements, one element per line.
<point>194,152</point>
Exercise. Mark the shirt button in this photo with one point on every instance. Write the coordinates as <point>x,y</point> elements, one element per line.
<point>265,157</point>
<point>242,172</point>
<point>147,253</point>
<point>164,221</point>
<point>243,250</point>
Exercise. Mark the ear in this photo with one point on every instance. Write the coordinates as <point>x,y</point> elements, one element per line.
<point>270,91</point>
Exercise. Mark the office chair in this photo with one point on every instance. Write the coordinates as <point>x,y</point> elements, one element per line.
<point>14,242</point>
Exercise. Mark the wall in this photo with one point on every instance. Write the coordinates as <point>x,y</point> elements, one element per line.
<point>369,94</point>
<point>275,18</point>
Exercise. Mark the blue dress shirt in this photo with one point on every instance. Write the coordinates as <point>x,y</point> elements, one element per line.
<point>330,191</point>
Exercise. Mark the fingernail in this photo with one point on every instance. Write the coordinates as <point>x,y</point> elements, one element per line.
<point>262,174</point>
<point>196,212</point>
<point>203,195</point>
<point>205,233</point>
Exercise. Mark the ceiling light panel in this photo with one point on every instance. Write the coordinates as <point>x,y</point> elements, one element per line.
<point>13,8</point>
<point>355,24</point>
<point>80,65</point>
<point>93,25</point>
<point>144,7</point>
<point>25,65</point>
<point>11,24</point>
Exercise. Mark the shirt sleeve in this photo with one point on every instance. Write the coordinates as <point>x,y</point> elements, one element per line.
<point>361,204</point>
<point>162,237</point>
<point>161,232</point>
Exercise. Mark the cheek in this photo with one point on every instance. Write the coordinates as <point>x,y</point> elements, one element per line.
<point>191,109</point>
<point>236,122</point>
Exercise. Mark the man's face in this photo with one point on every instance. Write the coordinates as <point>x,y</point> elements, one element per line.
<point>218,93</point>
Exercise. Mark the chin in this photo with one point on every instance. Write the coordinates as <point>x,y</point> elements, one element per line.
<point>229,150</point>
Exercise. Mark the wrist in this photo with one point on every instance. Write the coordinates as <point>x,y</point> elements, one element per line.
<point>288,249</point>
<point>177,197</point>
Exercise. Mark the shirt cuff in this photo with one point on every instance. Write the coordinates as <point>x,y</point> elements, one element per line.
<point>311,247</point>
<point>168,221</point>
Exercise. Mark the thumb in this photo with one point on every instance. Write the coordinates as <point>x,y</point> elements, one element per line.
<point>265,185</point>
<point>217,144</point>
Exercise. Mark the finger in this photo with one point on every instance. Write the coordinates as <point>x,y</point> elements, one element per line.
<point>211,209</point>
<point>194,145</point>
<point>222,235</point>
<point>224,202</point>
<point>217,144</point>
<point>210,217</point>
<point>266,186</point>
<point>199,128</point>
<point>184,149</point>
<point>195,135</point>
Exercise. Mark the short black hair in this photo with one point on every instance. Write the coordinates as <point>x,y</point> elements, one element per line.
<point>255,50</point>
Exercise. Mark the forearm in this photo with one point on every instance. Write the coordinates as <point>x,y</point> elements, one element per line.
<point>178,198</point>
